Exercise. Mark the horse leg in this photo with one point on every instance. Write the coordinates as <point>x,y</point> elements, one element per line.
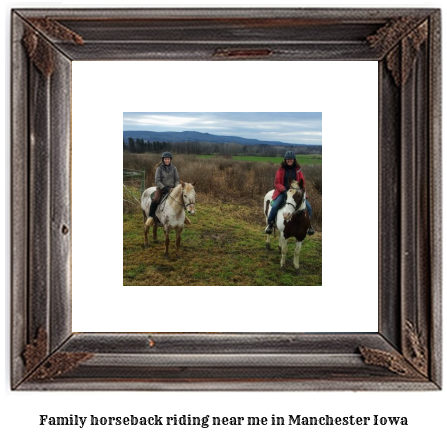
<point>280,242</point>
<point>154,233</point>
<point>267,238</point>
<point>296,256</point>
<point>283,246</point>
<point>145,229</point>
<point>177,241</point>
<point>166,244</point>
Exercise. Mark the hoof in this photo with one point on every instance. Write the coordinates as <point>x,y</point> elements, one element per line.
<point>145,245</point>
<point>157,241</point>
<point>297,271</point>
<point>267,246</point>
<point>167,257</point>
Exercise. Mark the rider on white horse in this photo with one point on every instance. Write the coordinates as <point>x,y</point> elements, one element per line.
<point>166,178</point>
<point>288,171</point>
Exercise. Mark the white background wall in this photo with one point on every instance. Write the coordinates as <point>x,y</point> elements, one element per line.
<point>344,303</point>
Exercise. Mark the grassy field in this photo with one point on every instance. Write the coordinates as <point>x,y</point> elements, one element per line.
<point>304,160</point>
<point>222,247</point>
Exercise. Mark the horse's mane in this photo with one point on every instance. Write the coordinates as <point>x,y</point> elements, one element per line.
<point>176,189</point>
<point>179,187</point>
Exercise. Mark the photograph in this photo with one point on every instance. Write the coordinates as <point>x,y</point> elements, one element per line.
<point>222,199</point>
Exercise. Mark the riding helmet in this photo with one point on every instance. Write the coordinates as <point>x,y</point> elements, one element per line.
<point>289,155</point>
<point>167,155</point>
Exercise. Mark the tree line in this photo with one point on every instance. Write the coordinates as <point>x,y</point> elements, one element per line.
<point>140,146</point>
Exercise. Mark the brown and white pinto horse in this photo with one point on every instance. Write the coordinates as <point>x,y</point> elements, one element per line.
<point>291,221</point>
<point>170,213</point>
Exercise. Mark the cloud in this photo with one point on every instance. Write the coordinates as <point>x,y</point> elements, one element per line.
<point>292,127</point>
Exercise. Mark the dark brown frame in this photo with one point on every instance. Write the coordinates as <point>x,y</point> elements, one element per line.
<point>405,354</point>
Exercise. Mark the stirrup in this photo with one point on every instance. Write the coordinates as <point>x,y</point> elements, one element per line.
<point>269,229</point>
<point>150,221</point>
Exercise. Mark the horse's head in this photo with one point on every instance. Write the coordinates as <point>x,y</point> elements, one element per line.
<point>300,197</point>
<point>296,185</point>
<point>189,197</point>
<point>294,202</point>
<point>290,205</point>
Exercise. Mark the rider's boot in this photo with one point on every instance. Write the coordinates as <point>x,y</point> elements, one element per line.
<point>310,231</point>
<point>150,220</point>
<point>269,228</point>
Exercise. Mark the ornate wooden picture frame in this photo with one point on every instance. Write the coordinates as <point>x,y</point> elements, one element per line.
<point>405,353</point>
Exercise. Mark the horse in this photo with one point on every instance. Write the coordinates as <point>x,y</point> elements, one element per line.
<point>170,213</point>
<point>292,220</point>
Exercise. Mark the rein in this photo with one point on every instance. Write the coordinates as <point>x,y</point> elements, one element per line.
<point>296,209</point>
<point>293,205</point>
<point>183,203</point>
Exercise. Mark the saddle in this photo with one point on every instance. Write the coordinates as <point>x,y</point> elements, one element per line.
<point>164,196</point>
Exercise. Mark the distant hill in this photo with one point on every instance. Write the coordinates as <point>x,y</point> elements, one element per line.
<point>185,136</point>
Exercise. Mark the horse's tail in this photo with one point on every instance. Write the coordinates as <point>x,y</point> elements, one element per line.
<point>266,211</point>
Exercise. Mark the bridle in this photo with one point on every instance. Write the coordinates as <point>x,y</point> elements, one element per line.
<point>296,206</point>
<point>184,204</point>
<point>185,196</point>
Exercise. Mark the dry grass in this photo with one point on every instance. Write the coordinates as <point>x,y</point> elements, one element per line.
<point>228,182</point>
<point>222,247</point>
<point>225,244</point>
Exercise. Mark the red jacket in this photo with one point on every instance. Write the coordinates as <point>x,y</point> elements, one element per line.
<point>279,180</point>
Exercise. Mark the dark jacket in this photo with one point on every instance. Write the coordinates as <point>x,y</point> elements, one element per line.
<point>280,183</point>
<point>166,176</point>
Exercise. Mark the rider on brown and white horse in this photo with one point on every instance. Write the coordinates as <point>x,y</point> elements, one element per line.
<point>289,171</point>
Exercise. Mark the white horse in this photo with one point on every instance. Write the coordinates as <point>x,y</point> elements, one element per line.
<point>292,220</point>
<point>170,213</point>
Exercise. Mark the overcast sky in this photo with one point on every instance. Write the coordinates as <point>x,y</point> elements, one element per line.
<point>298,128</point>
